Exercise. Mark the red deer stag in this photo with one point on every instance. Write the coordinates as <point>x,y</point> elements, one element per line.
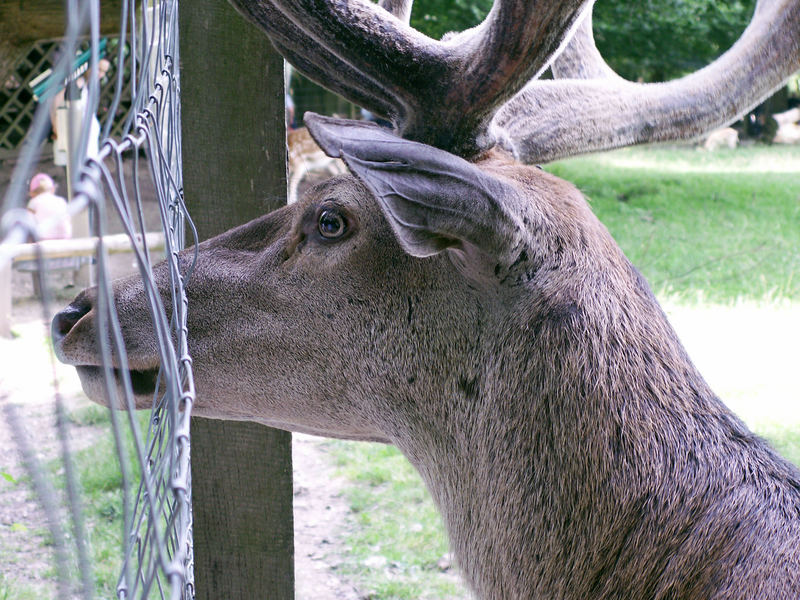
<point>471,310</point>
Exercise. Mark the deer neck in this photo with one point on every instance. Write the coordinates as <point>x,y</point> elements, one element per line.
<point>550,476</point>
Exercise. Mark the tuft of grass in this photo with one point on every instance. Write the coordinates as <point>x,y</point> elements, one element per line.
<point>91,414</point>
<point>396,537</point>
<point>11,590</point>
<point>784,439</point>
<point>719,227</point>
<point>101,486</point>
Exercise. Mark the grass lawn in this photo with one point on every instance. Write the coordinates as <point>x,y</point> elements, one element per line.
<point>394,520</point>
<point>717,227</point>
<point>101,498</point>
<point>706,229</point>
<point>101,489</point>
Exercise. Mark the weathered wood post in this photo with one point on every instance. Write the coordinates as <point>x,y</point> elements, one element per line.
<point>234,169</point>
<point>5,298</point>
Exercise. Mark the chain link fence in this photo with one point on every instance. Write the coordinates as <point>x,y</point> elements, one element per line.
<point>132,177</point>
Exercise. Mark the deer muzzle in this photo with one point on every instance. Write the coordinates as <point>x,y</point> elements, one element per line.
<point>75,342</point>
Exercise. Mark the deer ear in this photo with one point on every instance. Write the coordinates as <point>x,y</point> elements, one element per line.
<point>432,199</point>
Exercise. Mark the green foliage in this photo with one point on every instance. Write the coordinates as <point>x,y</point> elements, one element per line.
<point>434,18</point>
<point>657,40</point>
<point>652,40</point>
<point>794,85</point>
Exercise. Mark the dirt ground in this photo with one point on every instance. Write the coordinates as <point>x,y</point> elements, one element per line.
<point>27,413</point>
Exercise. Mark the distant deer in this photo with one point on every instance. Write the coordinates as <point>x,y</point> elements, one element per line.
<point>472,311</point>
<point>726,137</point>
<point>306,157</point>
<point>788,127</point>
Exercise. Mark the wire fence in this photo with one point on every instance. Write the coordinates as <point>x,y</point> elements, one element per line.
<point>121,180</point>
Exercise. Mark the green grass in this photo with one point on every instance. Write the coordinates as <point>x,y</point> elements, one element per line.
<point>101,489</point>
<point>719,227</point>
<point>91,414</point>
<point>10,590</point>
<point>393,520</point>
<point>785,439</point>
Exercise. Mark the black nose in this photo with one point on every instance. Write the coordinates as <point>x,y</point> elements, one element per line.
<point>65,320</point>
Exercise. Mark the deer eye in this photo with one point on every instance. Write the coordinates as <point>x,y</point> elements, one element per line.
<point>331,224</point>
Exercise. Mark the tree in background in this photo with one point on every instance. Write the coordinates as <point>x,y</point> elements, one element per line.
<point>647,40</point>
<point>656,40</point>
<point>434,18</point>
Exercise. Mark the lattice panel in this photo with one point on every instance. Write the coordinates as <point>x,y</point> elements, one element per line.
<point>17,103</point>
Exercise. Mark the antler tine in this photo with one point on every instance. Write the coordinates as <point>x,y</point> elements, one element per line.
<point>555,119</point>
<point>399,8</point>
<point>441,93</point>
<point>353,47</point>
<point>294,45</point>
<point>316,61</point>
<point>580,58</point>
<point>350,84</point>
<point>515,43</point>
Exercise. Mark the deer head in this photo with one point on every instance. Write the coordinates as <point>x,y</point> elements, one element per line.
<point>471,310</point>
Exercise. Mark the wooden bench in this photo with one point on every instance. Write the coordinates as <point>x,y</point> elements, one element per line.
<point>59,255</point>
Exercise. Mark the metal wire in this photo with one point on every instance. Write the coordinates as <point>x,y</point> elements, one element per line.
<point>156,556</point>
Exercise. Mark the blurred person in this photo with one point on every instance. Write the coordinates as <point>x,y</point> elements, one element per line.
<point>49,210</point>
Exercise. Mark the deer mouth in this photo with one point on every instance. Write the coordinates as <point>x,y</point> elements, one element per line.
<point>143,384</point>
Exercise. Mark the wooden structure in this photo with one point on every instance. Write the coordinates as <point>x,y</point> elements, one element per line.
<point>24,22</point>
<point>234,169</point>
<point>49,249</point>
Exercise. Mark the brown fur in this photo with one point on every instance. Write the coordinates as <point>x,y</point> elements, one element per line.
<point>571,446</point>
<point>479,316</point>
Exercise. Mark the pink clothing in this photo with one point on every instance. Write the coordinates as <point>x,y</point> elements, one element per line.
<point>40,183</point>
<point>52,217</point>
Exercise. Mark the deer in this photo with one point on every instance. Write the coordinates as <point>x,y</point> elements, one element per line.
<point>788,126</point>
<point>304,157</point>
<point>450,297</point>
<point>727,137</point>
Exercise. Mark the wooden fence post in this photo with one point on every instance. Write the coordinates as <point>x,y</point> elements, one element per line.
<point>5,299</point>
<point>234,169</point>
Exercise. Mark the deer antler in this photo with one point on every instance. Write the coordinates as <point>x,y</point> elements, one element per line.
<point>443,93</point>
<point>456,94</point>
<point>609,112</point>
<point>580,58</point>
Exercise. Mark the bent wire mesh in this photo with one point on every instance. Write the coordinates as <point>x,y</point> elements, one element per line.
<point>132,180</point>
